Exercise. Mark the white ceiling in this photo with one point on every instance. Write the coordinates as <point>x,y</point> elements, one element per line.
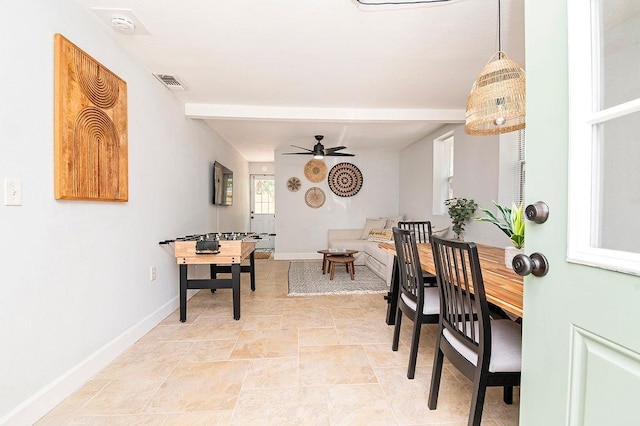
<point>268,74</point>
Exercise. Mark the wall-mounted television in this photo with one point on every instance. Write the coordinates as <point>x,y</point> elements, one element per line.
<point>222,185</point>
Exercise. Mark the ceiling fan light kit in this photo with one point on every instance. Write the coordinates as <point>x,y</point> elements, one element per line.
<point>497,102</point>
<point>318,149</point>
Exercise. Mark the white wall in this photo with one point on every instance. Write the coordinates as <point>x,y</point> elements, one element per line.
<point>416,181</point>
<point>75,288</point>
<point>265,168</point>
<point>477,173</point>
<point>302,230</point>
<point>394,184</point>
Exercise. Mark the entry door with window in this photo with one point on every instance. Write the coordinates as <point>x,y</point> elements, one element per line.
<point>263,209</point>
<point>581,344</point>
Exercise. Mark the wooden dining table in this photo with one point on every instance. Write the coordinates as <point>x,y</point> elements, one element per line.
<point>502,286</point>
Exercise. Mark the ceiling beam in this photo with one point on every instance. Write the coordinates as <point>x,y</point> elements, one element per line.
<point>253,112</point>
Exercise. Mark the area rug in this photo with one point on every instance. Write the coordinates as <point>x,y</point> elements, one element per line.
<point>306,279</point>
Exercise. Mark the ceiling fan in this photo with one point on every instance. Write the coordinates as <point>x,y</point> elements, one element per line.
<point>319,151</point>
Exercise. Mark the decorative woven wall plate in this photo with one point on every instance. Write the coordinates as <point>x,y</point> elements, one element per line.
<point>293,184</point>
<point>314,197</point>
<point>315,170</point>
<point>345,179</point>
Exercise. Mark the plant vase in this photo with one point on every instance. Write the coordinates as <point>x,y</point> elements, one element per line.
<point>509,253</point>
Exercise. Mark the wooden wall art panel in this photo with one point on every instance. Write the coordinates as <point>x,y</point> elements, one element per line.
<point>90,134</point>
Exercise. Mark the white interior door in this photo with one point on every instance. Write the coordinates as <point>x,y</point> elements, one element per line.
<point>581,345</point>
<point>263,209</point>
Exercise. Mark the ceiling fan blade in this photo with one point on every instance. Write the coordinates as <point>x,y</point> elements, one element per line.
<point>334,149</point>
<point>301,147</point>
<point>319,150</point>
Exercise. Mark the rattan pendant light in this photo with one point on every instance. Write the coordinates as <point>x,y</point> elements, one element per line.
<point>496,103</point>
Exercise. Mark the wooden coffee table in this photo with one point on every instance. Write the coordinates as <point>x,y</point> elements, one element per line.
<point>335,253</point>
<point>345,260</point>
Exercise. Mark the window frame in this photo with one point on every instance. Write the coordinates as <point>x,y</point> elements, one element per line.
<point>584,118</point>
<point>443,172</point>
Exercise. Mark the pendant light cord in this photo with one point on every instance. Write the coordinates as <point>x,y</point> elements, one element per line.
<point>499,32</point>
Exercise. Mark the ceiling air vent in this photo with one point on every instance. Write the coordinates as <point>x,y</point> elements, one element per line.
<point>171,81</point>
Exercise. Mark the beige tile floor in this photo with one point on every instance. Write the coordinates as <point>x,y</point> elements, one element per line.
<point>323,360</point>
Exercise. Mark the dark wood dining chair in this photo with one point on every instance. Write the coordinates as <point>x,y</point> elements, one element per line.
<point>422,232</point>
<point>418,302</point>
<point>487,351</point>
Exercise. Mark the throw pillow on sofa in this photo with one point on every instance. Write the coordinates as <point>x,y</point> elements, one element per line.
<point>392,221</point>
<point>380,235</point>
<point>372,224</point>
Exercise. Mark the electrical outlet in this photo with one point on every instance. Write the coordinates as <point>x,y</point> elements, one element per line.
<point>152,273</point>
<point>12,192</point>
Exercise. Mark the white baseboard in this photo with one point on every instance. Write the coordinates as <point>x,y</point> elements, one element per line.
<point>297,256</point>
<point>55,392</point>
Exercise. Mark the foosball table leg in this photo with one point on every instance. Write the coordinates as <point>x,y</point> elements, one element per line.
<point>213,269</point>
<point>235,285</point>
<point>252,270</point>
<point>183,293</point>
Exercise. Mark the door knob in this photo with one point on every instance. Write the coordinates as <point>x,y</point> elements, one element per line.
<point>537,212</point>
<point>537,264</point>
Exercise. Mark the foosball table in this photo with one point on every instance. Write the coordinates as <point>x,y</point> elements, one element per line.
<point>224,253</point>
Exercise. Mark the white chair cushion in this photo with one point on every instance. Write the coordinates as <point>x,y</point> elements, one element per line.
<point>506,346</point>
<point>431,301</point>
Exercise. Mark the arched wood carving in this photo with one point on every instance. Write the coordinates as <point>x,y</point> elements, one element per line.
<point>91,155</point>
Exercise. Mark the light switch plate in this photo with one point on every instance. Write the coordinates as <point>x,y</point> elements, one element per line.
<point>12,192</point>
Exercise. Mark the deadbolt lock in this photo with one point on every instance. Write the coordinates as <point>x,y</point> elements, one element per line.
<point>537,212</point>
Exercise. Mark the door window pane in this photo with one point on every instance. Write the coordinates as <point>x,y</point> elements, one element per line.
<point>619,202</point>
<point>264,196</point>
<point>619,22</point>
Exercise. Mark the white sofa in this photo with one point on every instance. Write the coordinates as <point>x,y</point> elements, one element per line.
<point>369,254</point>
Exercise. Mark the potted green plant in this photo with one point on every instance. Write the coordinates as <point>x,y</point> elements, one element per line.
<point>511,222</point>
<point>460,211</point>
